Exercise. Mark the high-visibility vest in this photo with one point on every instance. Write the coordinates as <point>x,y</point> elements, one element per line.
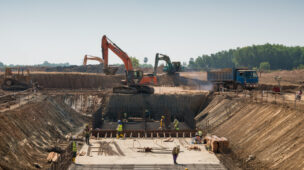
<point>119,128</point>
<point>74,147</point>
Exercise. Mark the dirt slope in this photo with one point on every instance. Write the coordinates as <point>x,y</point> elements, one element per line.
<point>27,131</point>
<point>273,134</point>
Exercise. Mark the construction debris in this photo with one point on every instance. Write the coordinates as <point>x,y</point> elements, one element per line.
<point>36,165</point>
<point>52,157</point>
<point>82,153</point>
<point>169,140</point>
<point>216,144</point>
<point>194,147</point>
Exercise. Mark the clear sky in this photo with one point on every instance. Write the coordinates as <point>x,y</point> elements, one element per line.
<point>33,31</point>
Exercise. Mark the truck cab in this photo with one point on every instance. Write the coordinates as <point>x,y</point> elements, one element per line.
<point>247,78</point>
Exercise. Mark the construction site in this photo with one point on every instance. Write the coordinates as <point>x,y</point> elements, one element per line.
<point>126,118</point>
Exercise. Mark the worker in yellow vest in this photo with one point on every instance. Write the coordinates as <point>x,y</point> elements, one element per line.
<point>176,124</point>
<point>119,129</point>
<point>74,151</point>
<point>162,122</point>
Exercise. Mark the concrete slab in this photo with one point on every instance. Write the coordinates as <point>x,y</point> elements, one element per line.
<point>123,152</point>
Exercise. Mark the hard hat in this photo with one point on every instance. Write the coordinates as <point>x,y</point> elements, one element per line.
<point>196,134</point>
<point>118,121</point>
<point>163,117</point>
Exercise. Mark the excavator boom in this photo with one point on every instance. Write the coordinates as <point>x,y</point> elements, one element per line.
<point>171,67</point>
<point>135,79</point>
<point>107,44</point>
<point>90,57</point>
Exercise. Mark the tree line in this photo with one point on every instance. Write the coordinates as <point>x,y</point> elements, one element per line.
<point>271,56</point>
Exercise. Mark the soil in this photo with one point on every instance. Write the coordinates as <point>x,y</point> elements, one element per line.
<point>272,133</point>
<point>27,131</point>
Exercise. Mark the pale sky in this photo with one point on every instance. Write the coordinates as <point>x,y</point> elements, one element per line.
<point>33,31</point>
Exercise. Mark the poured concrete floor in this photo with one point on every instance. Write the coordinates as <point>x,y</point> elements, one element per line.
<point>123,154</point>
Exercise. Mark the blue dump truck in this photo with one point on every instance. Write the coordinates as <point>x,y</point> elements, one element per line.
<point>233,78</point>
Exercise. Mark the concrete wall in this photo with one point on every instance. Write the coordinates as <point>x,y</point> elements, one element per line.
<point>183,106</point>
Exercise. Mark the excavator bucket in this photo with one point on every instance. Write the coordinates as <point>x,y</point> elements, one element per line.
<point>110,70</point>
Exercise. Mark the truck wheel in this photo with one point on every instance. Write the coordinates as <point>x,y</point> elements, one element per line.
<point>239,88</point>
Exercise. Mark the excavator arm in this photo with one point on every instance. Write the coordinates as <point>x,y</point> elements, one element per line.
<point>135,79</point>
<point>164,57</point>
<point>107,44</point>
<point>90,57</point>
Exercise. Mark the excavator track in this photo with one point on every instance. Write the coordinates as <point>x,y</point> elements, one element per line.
<point>134,89</point>
<point>14,85</point>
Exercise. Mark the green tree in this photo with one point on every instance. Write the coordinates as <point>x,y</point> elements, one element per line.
<point>1,64</point>
<point>264,66</point>
<point>135,61</point>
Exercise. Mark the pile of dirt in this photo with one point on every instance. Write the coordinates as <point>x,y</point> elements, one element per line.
<point>262,135</point>
<point>29,130</point>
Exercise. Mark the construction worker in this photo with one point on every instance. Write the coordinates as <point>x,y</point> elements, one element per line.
<point>87,133</point>
<point>162,122</point>
<point>298,95</point>
<point>200,134</point>
<point>197,139</point>
<point>176,124</point>
<point>125,118</point>
<point>119,129</point>
<point>175,153</point>
<point>74,151</point>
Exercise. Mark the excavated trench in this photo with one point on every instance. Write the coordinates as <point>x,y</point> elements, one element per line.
<point>184,107</point>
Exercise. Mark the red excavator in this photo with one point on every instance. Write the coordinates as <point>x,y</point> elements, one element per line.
<point>136,81</point>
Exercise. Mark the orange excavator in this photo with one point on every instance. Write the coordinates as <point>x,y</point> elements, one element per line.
<point>136,81</point>
<point>90,57</point>
<point>101,61</point>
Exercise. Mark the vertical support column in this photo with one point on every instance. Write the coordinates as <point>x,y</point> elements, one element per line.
<point>98,136</point>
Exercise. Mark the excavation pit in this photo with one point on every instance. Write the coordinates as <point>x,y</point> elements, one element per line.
<point>145,111</point>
